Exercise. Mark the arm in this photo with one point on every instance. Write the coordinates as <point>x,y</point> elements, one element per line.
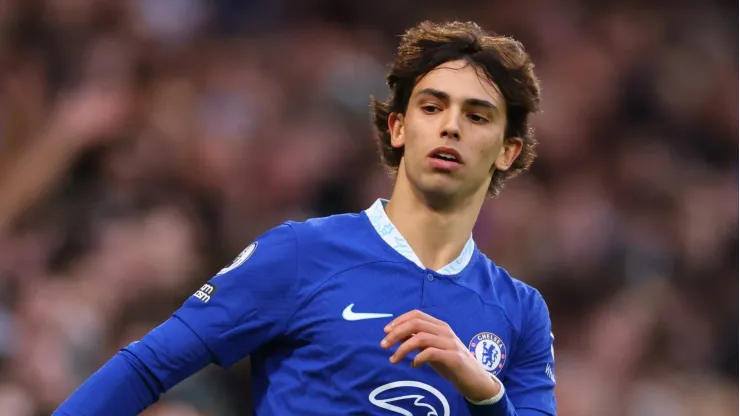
<point>244,307</point>
<point>89,115</point>
<point>529,386</point>
<point>135,377</point>
<point>29,178</point>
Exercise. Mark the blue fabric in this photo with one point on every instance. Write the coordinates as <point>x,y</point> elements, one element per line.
<point>135,377</point>
<point>308,302</point>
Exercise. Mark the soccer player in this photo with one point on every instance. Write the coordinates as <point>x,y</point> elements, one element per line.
<point>392,310</point>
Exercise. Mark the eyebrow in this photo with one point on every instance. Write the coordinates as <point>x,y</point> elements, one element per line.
<point>473,102</point>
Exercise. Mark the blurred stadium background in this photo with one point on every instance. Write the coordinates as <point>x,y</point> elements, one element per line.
<point>144,143</point>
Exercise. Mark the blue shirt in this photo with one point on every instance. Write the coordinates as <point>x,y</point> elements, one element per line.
<point>308,302</point>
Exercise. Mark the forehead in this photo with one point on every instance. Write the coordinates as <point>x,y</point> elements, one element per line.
<point>461,81</point>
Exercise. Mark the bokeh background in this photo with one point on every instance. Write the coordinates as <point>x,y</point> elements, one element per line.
<point>144,143</point>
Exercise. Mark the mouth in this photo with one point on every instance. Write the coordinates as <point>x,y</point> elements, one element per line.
<point>447,154</point>
<point>445,159</point>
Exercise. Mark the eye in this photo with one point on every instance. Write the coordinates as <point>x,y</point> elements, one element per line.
<point>477,118</point>
<point>430,109</point>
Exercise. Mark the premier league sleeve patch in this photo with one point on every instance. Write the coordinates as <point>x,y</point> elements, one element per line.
<point>489,350</point>
<point>240,259</point>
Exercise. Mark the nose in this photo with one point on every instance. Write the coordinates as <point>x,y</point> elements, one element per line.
<point>450,127</point>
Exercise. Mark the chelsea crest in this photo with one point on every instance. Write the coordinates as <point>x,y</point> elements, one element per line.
<point>489,350</point>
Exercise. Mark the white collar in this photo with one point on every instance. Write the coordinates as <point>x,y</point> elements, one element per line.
<point>385,228</point>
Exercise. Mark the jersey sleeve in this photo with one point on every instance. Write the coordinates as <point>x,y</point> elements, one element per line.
<point>137,375</point>
<point>530,382</point>
<point>248,303</point>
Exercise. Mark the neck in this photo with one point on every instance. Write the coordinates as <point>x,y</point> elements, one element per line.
<point>436,232</point>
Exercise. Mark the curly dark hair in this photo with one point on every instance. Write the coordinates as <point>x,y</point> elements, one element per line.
<point>502,59</point>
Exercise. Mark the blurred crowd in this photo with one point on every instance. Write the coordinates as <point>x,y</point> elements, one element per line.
<point>144,143</point>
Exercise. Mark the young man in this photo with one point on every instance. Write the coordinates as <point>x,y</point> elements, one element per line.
<point>393,310</point>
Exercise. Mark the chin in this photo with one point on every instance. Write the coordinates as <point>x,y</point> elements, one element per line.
<point>445,189</point>
<point>440,189</point>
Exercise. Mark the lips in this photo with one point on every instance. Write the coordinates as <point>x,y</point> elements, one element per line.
<point>445,158</point>
<point>446,153</point>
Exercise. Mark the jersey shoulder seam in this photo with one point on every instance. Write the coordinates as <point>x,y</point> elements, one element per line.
<point>323,282</point>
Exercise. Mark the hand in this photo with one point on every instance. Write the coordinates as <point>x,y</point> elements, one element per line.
<point>442,350</point>
<point>91,112</point>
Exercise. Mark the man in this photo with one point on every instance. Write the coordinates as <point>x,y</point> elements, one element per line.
<point>393,310</point>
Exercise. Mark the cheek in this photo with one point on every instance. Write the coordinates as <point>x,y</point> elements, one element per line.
<point>413,138</point>
<point>487,154</point>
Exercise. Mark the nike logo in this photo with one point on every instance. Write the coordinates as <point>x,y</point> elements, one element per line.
<point>354,316</point>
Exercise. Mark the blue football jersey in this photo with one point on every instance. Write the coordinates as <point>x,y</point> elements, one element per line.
<point>308,301</point>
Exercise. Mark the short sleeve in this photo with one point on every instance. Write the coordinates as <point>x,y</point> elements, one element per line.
<point>248,303</point>
<point>530,382</point>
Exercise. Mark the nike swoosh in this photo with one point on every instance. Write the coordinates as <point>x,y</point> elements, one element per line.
<point>354,316</point>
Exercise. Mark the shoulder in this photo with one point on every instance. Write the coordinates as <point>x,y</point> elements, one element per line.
<point>312,247</point>
<point>295,254</point>
<point>525,294</point>
<point>310,233</point>
<point>334,235</point>
<point>328,245</point>
<point>323,229</point>
<point>522,302</point>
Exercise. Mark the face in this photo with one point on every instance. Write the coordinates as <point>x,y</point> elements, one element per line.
<point>453,133</point>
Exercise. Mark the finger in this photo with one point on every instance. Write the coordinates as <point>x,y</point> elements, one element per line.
<point>401,319</point>
<point>420,342</point>
<point>428,356</point>
<point>415,314</point>
<point>409,328</point>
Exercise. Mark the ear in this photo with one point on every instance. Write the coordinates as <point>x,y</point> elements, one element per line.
<point>509,152</point>
<point>395,127</point>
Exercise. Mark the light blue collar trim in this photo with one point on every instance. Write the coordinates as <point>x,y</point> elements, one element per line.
<point>385,228</point>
